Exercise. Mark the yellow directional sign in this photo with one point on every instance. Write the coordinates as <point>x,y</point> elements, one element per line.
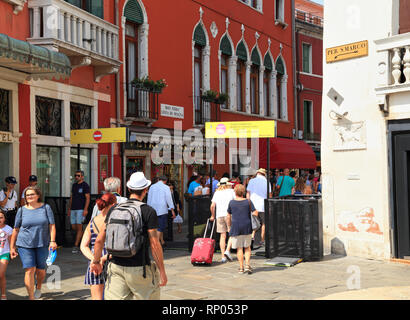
<point>101,135</point>
<point>240,129</point>
<point>347,51</point>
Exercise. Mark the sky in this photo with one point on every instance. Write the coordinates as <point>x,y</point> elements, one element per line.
<point>318,1</point>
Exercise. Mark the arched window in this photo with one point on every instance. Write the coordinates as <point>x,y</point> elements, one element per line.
<point>200,43</point>
<point>254,81</point>
<point>226,53</point>
<point>242,55</point>
<point>281,84</point>
<point>134,19</point>
<point>266,85</point>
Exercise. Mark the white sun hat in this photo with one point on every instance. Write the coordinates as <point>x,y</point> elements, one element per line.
<point>138,181</point>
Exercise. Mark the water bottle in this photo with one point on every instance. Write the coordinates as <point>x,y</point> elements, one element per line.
<point>52,255</point>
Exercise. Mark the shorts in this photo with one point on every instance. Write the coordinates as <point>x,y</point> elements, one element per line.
<point>5,256</point>
<point>221,225</point>
<point>242,241</point>
<point>162,222</point>
<point>76,217</point>
<point>33,257</point>
<point>128,283</point>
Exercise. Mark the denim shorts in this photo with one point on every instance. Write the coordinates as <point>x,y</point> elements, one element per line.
<point>162,222</point>
<point>33,257</point>
<point>76,217</point>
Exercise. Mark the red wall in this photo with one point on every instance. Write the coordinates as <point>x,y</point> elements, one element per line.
<point>25,140</point>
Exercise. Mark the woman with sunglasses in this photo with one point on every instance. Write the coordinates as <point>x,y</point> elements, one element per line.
<point>34,235</point>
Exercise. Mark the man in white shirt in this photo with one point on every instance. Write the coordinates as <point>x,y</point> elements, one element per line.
<point>113,185</point>
<point>8,200</point>
<point>160,198</point>
<point>257,193</point>
<point>219,210</point>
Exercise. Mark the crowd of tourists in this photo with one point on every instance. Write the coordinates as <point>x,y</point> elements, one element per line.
<point>27,226</point>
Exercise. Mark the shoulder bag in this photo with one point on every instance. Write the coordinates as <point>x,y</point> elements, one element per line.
<point>277,191</point>
<point>256,224</point>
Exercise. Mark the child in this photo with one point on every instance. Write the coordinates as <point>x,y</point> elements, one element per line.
<point>5,234</point>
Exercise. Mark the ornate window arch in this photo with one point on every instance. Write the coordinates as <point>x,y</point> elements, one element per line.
<point>281,85</point>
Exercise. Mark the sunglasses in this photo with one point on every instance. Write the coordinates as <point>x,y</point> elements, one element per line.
<point>78,175</point>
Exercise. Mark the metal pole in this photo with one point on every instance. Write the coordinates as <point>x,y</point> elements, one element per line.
<point>268,166</point>
<point>78,157</point>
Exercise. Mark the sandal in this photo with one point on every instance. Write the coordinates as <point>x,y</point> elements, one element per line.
<point>240,270</point>
<point>248,270</point>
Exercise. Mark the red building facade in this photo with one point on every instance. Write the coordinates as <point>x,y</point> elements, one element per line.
<point>104,50</point>
<point>309,39</point>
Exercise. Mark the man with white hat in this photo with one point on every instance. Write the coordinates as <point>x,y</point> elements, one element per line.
<point>257,193</point>
<point>219,210</point>
<point>126,278</point>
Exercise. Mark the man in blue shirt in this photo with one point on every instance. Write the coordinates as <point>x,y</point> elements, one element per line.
<point>288,184</point>
<point>193,185</point>
<point>215,181</point>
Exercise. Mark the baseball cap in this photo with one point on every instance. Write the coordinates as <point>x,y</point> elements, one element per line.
<point>11,179</point>
<point>32,178</point>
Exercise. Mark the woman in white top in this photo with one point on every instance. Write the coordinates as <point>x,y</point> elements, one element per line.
<point>219,210</point>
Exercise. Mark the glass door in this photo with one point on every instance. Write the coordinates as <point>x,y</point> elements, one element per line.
<point>49,170</point>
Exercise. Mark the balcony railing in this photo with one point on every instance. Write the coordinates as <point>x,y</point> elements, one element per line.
<point>84,37</point>
<point>393,64</point>
<point>206,111</point>
<point>308,18</point>
<point>142,104</point>
<point>311,136</point>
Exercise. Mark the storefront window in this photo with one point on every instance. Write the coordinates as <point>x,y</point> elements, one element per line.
<point>80,116</point>
<point>49,170</point>
<point>4,110</point>
<point>85,164</point>
<point>4,161</point>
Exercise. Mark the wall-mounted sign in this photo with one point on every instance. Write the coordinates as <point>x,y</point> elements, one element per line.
<point>6,137</point>
<point>240,129</point>
<point>172,111</point>
<point>347,51</point>
<point>101,135</point>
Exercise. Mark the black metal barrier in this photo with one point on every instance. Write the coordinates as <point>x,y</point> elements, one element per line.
<point>59,206</point>
<point>199,211</point>
<point>294,228</point>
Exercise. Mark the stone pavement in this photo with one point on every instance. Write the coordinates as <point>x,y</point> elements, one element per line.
<point>326,279</point>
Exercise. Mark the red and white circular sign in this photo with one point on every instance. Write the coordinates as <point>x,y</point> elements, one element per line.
<point>97,135</point>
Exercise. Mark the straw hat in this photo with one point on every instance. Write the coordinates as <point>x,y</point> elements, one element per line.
<point>224,181</point>
<point>262,171</point>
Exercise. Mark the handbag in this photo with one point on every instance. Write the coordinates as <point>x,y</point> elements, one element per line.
<point>256,224</point>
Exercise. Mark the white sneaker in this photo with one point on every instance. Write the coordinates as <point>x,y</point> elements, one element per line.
<point>37,294</point>
<point>227,254</point>
<point>224,260</point>
<point>75,250</point>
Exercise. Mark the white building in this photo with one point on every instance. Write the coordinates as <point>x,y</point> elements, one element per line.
<point>366,129</point>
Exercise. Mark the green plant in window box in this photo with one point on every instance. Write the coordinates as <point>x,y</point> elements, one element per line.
<point>222,98</point>
<point>209,96</point>
<point>159,85</point>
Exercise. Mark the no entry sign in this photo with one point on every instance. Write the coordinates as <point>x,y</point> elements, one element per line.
<point>97,135</point>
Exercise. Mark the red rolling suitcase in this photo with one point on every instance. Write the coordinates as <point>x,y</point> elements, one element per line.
<point>203,249</point>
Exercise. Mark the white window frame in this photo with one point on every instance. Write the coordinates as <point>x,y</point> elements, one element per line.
<point>310,57</point>
<point>259,4</point>
<point>311,120</point>
<point>280,20</point>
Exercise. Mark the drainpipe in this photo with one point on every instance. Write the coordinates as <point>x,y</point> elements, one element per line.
<point>294,58</point>
<point>117,98</point>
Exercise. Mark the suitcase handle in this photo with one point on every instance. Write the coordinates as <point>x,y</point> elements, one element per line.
<point>206,229</point>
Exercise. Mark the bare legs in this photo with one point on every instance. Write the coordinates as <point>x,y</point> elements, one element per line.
<point>3,268</point>
<point>30,282</point>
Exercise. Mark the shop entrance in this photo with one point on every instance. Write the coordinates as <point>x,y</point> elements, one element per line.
<point>134,164</point>
<point>401,177</point>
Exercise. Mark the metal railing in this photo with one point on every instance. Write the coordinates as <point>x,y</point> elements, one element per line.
<point>294,227</point>
<point>308,17</point>
<point>206,111</point>
<point>142,104</point>
<point>311,136</point>
<point>59,205</point>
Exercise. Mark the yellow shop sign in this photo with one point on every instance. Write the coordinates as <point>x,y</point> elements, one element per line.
<point>240,129</point>
<point>102,135</point>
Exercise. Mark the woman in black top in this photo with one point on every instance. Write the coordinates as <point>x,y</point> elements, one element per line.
<point>239,219</point>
